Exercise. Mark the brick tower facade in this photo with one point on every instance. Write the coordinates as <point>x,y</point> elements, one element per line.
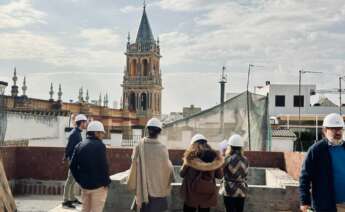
<point>142,83</point>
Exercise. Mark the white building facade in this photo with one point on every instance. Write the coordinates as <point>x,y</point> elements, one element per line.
<point>284,100</point>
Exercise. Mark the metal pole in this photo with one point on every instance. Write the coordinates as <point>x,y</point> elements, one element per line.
<point>248,77</point>
<point>340,78</point>
<point>316,128</point>
<point>248,111</point>
<point>299,109</point>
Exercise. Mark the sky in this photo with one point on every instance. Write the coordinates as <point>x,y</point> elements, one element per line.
<point>81,43</point>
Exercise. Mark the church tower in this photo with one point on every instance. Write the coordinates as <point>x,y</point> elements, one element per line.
<point>142,83</point>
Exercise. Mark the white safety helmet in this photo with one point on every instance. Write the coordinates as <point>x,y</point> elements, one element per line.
<point>197,137</point>
<point>154,122</point>
<point>95,126</point>
<point>333,120</point>
<point>80,117</point>
<point>236,141</point>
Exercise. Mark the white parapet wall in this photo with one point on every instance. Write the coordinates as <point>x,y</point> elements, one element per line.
<point>265,194</point>
<point>36,129</point>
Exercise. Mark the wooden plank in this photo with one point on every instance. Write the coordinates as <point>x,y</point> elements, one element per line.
<point>6,199</point>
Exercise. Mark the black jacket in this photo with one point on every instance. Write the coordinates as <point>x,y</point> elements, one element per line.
<point>317,173</point>
<point>89,164</point>
<point>73,139</point>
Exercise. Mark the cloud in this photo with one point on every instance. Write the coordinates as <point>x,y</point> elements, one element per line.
<point>130,9</point>
<point>19,13</point>
<point>24,45</point>
<point>101,37</point>
<point>175,47</point>
<point>184,6</point>
<point>288,32</point>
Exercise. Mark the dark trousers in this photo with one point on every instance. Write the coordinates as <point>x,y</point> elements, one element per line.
<point>186,208</point>
<point>234,204</point>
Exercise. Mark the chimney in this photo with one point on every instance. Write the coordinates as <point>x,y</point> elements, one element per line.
<point>222,82</point>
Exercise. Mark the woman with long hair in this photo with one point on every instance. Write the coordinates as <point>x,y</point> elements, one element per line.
<point>234,187</point>
<point>151,172</point>
<point>201,166</point>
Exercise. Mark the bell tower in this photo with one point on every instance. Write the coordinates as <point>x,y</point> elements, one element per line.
<point>142,83</point>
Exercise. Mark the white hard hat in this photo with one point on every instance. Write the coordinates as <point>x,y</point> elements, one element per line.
<point>197,137</point>
<point>95,126</point>
<point>236,140</point>
<point>80,117</point>
<point>154,122</point>
<point>333,120</point>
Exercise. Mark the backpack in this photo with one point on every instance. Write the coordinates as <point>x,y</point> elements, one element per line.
<point>202,185</point>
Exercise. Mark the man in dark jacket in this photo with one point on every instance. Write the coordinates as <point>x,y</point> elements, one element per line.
<point>73,139</point>
<point>324,170</point>
<point>89,167</point>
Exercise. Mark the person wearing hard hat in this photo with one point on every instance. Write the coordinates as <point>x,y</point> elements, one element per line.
<point>201,166</point>
<point>236,167</point>
<point>151,171</point>
<point>323,170</point>
<point>73,139</point>
<point>89,167</point>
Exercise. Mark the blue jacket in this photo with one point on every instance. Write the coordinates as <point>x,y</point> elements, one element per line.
<point>73,139</point>
<point>89,164</point>
<point>317,173</point>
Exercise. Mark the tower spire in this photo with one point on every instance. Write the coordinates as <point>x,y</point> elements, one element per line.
<point>60,93</point>
<point>14,89</point>
<point>80,97</point>
<point>100,99</point>
<point>51,92</point>
<point>145,34</point>
<point>15,78</point>
<point>24,87</point>
<point>87,96</point>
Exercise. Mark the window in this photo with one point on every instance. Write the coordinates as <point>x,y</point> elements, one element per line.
<point>280,101</point>
<point>298,101</point>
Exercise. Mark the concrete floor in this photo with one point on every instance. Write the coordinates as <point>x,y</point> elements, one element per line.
<point>41,203</point>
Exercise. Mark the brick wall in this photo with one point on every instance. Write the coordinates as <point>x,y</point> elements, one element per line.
<point>293,163</point>
<point>39,170</point>
<point>266,159</point>
<point>45,163</point>
<point>8,157</point>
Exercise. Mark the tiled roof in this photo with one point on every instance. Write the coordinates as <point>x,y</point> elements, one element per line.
<point>283,133</point>
<point>145,34</point>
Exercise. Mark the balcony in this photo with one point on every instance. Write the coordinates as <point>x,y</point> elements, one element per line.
<point>142,80</point>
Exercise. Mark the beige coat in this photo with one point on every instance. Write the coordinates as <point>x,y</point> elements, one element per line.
<point>151,172</point>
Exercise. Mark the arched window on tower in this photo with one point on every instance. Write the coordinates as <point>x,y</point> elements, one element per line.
<point>144,101</point>
<point>133,70</point>
<point>145,67</point>
<point>131,102</point>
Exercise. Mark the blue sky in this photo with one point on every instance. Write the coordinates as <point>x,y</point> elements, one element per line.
<point>81,43</point>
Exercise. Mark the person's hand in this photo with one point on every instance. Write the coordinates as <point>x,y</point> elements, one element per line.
<point>304,208</point>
